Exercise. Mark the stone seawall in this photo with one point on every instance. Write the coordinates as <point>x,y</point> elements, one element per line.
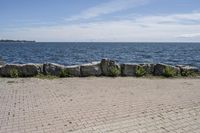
<point>105,67</point>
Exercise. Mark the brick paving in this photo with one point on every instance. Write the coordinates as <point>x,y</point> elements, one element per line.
<point>99,105</point>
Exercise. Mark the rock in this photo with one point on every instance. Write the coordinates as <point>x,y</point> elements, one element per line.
<point>30,70</point>
<point>110,68</point>
<point>188,70</point>
<point>6,70</point>
<point>91,69</point>
<point>159,70</point>
<point>53,69</point>
<point>149,68</point>
<point>25,70</point>
<point>128,69</point>
<point>73,71</point>
<point>1,71</point>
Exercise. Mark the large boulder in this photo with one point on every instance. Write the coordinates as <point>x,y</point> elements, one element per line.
<point>149,68</point>
<point>30,70</point>
<point>11,70</point>
<point>91,69</point>
<point>188,70</point>
<point>1,70</point>
<point>25,70</point>
<point>128,69</point>
<point>110,68</point>
<point>73,71</point>
<point>166,70</point>
<point>53,69</point>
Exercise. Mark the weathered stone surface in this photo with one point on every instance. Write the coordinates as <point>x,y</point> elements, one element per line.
<point>107,67</point>
<point>29,70</point>
<point>53,69</point>
<point>159,69</point>
<point>73,71</point>
<point>91,69</point>
<point>25,70</point>
<point>149,68</point>
<point>128,69</point>
<point>1,70</point>
<point>188,70</point>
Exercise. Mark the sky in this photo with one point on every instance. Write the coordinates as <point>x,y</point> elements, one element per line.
<point>100,20</point>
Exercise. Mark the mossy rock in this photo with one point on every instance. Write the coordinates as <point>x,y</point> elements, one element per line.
<point>140,71</point>
<point>14,73</point>
<point>169,72</point>
<point>110,68</point>
<point>64,73</point>
<point>114,71</point>
<point>166,70</point>
<point>188,71</point>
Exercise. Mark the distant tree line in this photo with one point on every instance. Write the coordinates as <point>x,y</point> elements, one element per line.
<point>6,40</point>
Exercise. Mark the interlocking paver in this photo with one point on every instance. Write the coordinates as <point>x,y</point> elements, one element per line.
<point>100,105</point>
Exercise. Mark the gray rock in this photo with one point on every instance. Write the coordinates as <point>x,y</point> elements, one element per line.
<point>30,70</point>
<point>53,69</point>
<point>91,69</point>
<point>107,67</point>
<point>159,69</point>
<point>149,68</point>
<point>128,69</point>
<point>73,71</point>
<point>188,70</point>
<point>6,70</point>
<point>25,70</point>
<point>1,70</point>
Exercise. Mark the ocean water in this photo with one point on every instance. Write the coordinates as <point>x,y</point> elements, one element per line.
<point>78,53</point>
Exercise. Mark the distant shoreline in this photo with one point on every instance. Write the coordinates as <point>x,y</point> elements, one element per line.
<point>16,41</point>
<point>4,40</point>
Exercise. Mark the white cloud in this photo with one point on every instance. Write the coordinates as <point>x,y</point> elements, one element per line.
<point>146,28</point>
<point>187,18</point>
<point>191,35</point>
<point>107,8</point>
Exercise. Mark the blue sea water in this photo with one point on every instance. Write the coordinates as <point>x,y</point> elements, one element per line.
<point>78,53</point>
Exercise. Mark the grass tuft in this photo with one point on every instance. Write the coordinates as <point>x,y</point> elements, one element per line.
<point>169,72</point>
<point>14,73</point>
<point>186,73</point>
<point>64,73</point>
<point>140,71</point>
<point>114,71</point>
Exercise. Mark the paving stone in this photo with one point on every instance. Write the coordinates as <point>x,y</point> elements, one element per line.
<point>99,105</point>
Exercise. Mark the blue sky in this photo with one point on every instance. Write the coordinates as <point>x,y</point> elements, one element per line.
<point>100,20</point>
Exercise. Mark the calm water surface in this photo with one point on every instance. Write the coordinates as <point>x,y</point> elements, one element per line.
<point>78,53</point>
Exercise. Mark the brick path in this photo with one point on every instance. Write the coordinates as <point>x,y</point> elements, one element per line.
<point>100,105</point>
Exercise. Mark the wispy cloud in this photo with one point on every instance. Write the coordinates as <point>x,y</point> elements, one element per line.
<point>146,28</point>
<point>107,8</point>
<point>186,18</point>
<point>191,35</point>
